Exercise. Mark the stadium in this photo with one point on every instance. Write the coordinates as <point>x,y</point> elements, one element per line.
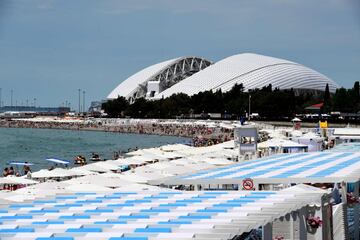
<point>191,75</point>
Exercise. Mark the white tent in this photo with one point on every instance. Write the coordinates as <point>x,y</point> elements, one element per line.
<point>296,133</point>
<point>312,140</point>
<point>296,119</point>
<point>281,144</point>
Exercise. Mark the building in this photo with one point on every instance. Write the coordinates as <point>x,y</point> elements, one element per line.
<point>22,111</point>
<point>191,75</point>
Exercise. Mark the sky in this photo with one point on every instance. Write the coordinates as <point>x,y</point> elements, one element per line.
<point>51,48</point>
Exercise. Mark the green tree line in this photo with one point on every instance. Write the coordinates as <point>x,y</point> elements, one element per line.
<point>268,102</point>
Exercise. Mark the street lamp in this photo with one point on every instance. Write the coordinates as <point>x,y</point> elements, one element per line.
<point>79,100</point>
<point>11,97</point>
<point>83,101</point>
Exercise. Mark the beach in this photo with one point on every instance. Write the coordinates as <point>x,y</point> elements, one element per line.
<point>202,132</point>
<point>181,181</point>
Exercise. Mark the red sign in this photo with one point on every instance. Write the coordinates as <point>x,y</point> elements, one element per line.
<point>248,184</point>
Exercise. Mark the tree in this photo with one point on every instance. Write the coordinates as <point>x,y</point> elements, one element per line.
<point>356,90</point>
<point>327,100</point>
<point>115,107</point>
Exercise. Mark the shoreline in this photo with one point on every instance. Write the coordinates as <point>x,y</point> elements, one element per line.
<point>197,133</point>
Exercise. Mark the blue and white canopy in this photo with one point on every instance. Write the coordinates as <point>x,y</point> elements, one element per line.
<point>56,160</point>
<point>315,167</point>
<point>149,215</point>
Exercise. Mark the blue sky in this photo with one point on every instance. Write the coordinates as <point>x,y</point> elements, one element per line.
<point>50,48</point>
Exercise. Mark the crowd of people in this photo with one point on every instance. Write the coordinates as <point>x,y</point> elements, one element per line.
<point>205,133</point>
<point>9,171</point>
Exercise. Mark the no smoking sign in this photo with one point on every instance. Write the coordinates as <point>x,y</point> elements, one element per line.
<point>248,184</point>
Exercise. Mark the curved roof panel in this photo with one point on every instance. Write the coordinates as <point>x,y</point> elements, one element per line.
<point>164,75</point>
<point>253,71</point>
<point>126,87</point>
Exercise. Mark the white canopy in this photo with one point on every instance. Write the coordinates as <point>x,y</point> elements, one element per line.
<point>56,160</point>
<point>106,180</point>
<point>296,119</point>
<point>87,188</point>
<point>135,160</point>
<point>55,173</point>
<point>133,177</point>
<point>16,180</point>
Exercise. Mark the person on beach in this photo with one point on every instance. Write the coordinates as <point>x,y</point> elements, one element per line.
<point>5,172</point>
<point>26,169</point>
<point>11,171</point>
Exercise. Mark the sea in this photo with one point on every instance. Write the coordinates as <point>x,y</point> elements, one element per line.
<point>35,145</point>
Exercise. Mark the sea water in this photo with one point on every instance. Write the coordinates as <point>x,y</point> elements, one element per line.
<point>35,145</point>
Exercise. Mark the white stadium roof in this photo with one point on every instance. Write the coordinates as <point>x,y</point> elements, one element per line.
<point>191,75</point>
<point>129,85</point>
<point>253,71</point>
<point>167,73</point>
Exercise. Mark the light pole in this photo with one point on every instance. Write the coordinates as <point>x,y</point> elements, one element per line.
<point>249,106</point>
<point>0,97</point>
<point>11,97</point>
<point>84,101</point>
<point>79,100</point>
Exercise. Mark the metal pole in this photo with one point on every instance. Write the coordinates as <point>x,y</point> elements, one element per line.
<point>249,106</point>
<point>11,98</point>
<point>83,101</point>
<point>79,100</point>
<point>0,97</point>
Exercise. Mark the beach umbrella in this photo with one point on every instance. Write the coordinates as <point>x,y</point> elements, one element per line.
<point>87,188</point>
<point>296,119</point>
<point>21,163</point>
<point>83,171</point>
<point>141,187</point>
<point>110,165</point>
<point>57,172</point>
<point>133,178</point>
<point>56,160</point>
<point>43,173</point>
<point>106,180</point>
<point>94,168</point>
<point>16,180</point>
